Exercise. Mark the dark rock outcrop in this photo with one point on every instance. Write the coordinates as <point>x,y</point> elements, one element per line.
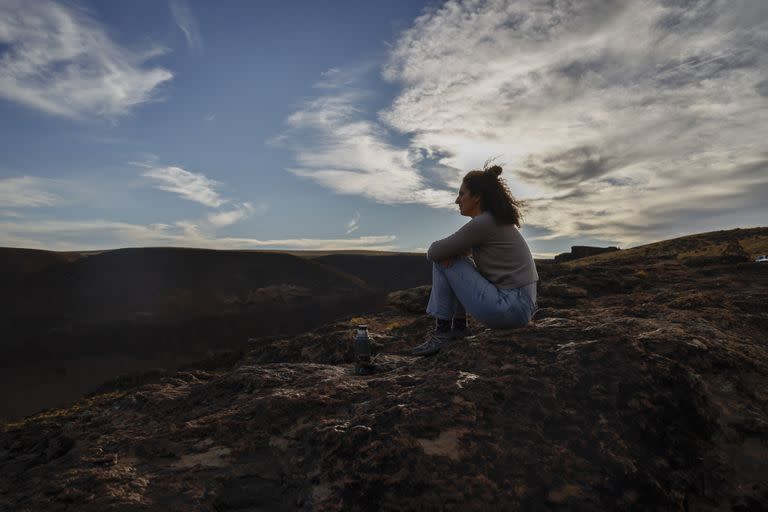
<point>582,251</point>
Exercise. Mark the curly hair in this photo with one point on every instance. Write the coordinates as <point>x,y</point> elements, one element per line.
<point>495,195</point>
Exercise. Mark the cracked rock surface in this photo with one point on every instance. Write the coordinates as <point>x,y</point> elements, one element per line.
<point>641,385</point>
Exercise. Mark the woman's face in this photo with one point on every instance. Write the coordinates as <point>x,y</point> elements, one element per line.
<point>469,205</point>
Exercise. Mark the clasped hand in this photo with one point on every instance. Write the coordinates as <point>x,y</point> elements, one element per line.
<point>448,262</point>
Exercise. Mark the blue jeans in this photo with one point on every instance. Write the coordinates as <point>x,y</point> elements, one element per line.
<point>460,289</point>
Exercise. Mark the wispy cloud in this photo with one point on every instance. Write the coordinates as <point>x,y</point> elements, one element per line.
<point>337,147</point>
<point>619,120</point>
<point>58,59</point>
<point>199,188</point>
<point>182,16</point>
<point>210,117</point>
<point>27,192</point>
<point>354,223</point>
<point>189,185</point>
<point>102,234</point>
<point>335,78</point>
<point>622,121</point>
<point>240,212</point>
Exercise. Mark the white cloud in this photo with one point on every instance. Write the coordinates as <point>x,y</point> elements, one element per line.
<point>27,192</point>
<point>201,189</point>
<point>240,212</point>
<point>334,146</point>
<point>354,223</point>
<point>626,120</point>
<point>335,78</point>
<point>189,230</point>
<point>182,16</point>
<point>61,61</point>
<point>372,243</point>
<point>189,185</point>
<point>103,234</point>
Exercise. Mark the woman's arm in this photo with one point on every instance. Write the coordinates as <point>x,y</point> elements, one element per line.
<point>448,262</point>
<point>460,243</point>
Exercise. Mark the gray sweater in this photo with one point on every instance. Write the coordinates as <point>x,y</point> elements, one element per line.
<point>500,252</point>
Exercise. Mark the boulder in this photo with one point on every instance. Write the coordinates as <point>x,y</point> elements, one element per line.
<point>582,251</point>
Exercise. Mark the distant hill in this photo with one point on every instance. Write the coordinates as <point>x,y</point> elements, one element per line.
<point>130,309</point>
<point>15,261</point>
<point>46,289</point>
<point>754,241</point>
<point>169,282</point>
<point>385,272</point>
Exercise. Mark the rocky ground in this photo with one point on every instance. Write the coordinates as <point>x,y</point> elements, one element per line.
<point>641,385</point>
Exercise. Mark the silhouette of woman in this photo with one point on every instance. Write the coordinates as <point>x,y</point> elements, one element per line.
<point>485,268</point>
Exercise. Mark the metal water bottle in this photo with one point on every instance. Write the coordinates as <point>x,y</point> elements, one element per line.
<point>363,364</point>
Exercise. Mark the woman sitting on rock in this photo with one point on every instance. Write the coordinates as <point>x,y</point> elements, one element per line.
<point>498,288</point>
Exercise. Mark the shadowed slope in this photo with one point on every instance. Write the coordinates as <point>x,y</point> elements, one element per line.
<point>71,320</point>
<point>385,272</point>
<point>165,281</point>
<point>646,391</point>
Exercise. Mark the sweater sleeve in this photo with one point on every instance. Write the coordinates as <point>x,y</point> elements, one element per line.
<point>471,234</point>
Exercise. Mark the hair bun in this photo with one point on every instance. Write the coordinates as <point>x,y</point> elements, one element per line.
<point>495,170</point>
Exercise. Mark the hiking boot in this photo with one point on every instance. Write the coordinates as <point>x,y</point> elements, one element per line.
<point>435,341</point>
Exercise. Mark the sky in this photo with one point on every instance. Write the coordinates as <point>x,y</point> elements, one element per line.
<point>336,125</point>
